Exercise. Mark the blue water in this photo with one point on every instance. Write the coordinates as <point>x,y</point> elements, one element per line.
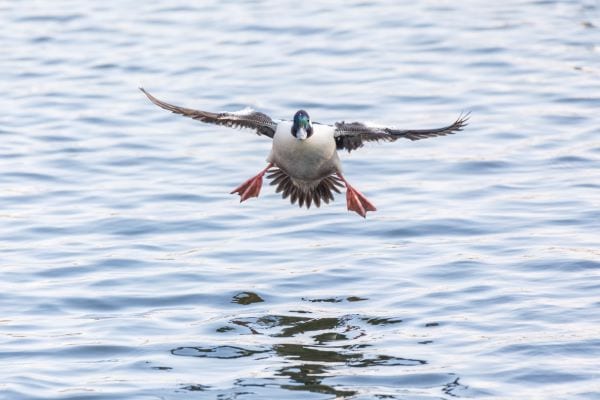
<point>128,271</point>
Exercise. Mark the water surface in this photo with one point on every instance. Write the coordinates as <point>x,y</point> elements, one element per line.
<point>129,272</point>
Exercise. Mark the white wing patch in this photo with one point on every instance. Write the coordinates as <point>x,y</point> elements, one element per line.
<point>242,113</point>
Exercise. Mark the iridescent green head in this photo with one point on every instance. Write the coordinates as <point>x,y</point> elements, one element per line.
<point>302,128</point>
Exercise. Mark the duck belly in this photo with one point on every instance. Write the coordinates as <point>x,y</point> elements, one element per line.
<point>305,161</point>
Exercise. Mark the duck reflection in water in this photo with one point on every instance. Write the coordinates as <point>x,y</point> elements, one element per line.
<point>309,367</point>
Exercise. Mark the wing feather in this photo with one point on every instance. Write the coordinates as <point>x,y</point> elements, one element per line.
<point>351,136</point>
<point>261,123</point>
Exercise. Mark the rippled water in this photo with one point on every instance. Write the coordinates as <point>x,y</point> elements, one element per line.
<point>128,271</point>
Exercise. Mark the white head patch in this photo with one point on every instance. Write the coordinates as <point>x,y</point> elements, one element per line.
<point>301,134</point>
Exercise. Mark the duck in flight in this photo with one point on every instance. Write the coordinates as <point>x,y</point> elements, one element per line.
<point>304,163</point>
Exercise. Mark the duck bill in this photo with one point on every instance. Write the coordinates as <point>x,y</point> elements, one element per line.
<point>301,134</point>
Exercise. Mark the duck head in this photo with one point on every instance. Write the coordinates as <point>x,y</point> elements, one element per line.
<point>302,128</point>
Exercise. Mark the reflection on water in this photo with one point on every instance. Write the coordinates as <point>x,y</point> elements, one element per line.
<point>454,388</point>
<point>307,367</point>
<point>246,298</point>
<point>222,352</point>
<point>309,377</point>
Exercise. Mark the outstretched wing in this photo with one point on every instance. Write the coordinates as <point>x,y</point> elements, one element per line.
<point>261,123</point>
<point>351,136</point>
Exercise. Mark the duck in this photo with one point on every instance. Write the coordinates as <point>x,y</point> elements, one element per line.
<point>304,164</point>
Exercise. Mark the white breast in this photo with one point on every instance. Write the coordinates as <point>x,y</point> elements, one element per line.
<point>306,160</point>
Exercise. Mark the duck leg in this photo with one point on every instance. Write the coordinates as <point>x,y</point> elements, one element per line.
<point>251,188</point>
<point>355,200</point>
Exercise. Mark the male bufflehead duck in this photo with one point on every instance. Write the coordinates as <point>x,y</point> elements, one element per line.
<point>304,163</point>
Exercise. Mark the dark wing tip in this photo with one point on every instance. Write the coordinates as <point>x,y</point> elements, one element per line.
<point>186,112</point>
<point>418,134</point>
<point>462,120</point>
<point>152,98</point>
<point>149,96</point>
<point>144,91</point>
